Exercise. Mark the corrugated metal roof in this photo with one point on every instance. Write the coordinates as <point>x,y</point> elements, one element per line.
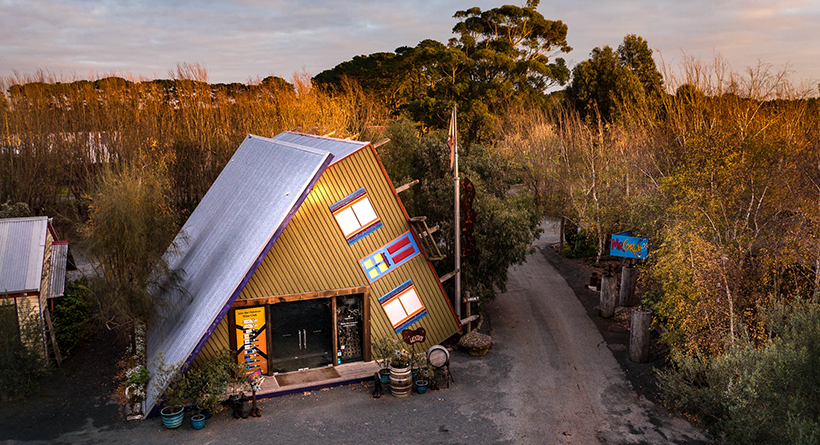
<point>59,256</point>
<point>339,148</point>
<point>22,246</point>
<point>225,239</point>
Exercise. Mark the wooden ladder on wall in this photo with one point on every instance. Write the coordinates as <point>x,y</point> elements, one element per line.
<point>425,235</point>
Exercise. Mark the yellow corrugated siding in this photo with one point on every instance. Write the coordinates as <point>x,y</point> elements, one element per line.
<point>312,254</point>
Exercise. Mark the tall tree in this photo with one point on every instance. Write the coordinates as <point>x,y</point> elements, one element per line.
<point>610,79</point>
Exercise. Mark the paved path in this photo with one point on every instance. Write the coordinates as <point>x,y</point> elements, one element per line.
<point>549,379</point>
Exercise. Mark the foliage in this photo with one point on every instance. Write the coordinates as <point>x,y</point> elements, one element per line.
<point>207,383</point>
<point>475,340</point>
<point>131,223</point>
<point>17,210</point>
<point>611,79</point>
<point>138,376</point>
<point>757,395</point>
<point>21,354</point>
<point>502,55</point>
<point>383,351</point>
<point>72,314</point>
<point>167,381</point>
<point>506,219</point>
<point>66,131</point>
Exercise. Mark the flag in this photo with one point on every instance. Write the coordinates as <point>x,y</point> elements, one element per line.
<point>452,137</point>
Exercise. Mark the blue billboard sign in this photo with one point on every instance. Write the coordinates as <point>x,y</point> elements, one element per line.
<point>625,245</point>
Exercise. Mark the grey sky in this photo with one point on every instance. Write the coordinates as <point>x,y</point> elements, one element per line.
<point>241,39</point>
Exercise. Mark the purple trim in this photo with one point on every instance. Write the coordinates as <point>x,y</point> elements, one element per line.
<point>258,261</point>
<point>348,199</point>
<point>407,323</point>
<point>363,234</point>
<point>399,289</point>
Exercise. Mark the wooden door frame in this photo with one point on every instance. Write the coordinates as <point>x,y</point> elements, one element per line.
<point>332,294</point>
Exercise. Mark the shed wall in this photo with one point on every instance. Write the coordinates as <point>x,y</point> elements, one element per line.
<point>313,255</point>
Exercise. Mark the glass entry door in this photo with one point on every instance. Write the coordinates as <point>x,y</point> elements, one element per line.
<point>301,335</point>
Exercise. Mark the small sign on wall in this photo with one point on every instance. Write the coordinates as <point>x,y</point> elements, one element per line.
<point>625,245</point>
<point>415,336</point>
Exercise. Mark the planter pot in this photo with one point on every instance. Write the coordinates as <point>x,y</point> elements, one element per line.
<point>401,381</point>
<point>172,416</point>
<point>384,376</point>
<point>198,421</point>
<point>478,352</point>
<point>421,386</point>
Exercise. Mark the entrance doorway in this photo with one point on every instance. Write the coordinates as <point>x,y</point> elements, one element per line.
<point>301,335</point>
<point>310,330</point>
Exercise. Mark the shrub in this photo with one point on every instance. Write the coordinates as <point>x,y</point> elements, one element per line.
<point>21,363</point>
<point>757,395</point>
<point>72,315</point>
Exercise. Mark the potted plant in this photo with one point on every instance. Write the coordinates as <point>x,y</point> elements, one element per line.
<point>476,343</point>
<point>401,379</point>
<point>425,375</point>
<point>207,385</point>
<point>383,351</point>
<point>170,378</point>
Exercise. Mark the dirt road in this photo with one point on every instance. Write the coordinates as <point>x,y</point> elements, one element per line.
<point>566,387</point>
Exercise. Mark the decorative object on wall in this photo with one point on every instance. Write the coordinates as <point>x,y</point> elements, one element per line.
<point>389,257</point>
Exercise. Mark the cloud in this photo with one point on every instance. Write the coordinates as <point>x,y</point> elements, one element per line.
<point>242,39</point>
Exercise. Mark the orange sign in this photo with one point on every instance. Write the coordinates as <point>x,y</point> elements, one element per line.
<point>252,339</point>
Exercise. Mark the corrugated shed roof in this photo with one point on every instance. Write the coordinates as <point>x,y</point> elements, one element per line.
<point>59,257</point>
<point>339,148</point>
<point>225,239</point>
<point>22,246</point>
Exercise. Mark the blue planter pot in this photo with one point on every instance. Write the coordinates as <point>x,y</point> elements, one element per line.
<point>172,416</point>
<point>198,421</point>
<point>421,386</point>
<point>384,377</point>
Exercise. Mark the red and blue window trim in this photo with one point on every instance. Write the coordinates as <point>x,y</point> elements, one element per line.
<point>389,257</point>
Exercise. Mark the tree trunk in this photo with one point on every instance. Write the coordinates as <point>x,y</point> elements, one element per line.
<point>629,276</point>
<point>608,295</point>
<point>561,238</point>
<point>639,335</point>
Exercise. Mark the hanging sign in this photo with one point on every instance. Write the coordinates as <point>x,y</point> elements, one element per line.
<point>416,336</point>
<point>252,339</point>
<point>625,245</point>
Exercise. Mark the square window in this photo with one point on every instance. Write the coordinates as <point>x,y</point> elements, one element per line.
<point>356,216</point>
<point>403,306</point>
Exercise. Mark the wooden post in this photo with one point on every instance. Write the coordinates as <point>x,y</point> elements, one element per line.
<point>57,357</point>
<point>469,323</point>
<point>629,276</point>
<point>639,335</point>
<point>607,303</point>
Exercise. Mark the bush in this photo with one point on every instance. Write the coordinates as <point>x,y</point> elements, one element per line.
<point>21,364</point>
<point>72,315</point>
<point>757,395</point>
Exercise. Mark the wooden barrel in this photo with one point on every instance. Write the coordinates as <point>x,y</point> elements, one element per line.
<point>401,381</point>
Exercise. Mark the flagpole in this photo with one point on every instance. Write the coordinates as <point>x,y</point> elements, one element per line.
<point>457,211</point>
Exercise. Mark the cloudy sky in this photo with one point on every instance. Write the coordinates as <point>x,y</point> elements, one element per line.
<point>244,39</point>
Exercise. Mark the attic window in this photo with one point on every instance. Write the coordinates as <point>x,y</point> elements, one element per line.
<point>403,306</point>
<point>355,216</point>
